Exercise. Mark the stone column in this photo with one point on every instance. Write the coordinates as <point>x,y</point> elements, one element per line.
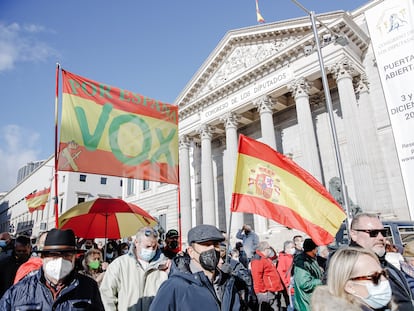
<point>185,187</point>
<point>230,122</point>
<point>264,106</point>
<point>207,181</point>
<point>361,172</point>
<point>300,91</point>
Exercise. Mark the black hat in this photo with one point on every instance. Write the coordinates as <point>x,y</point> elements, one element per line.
<point>309,245</point>
<point>58,240</point>
<point>204,233</point>
<point>172,233</point>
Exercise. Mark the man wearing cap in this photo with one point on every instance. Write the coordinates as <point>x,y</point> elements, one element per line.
<point>195,283</point>
<point>56,286</point>
<point>171,247</point>
<point>307,275</point>
<point>132,280</point>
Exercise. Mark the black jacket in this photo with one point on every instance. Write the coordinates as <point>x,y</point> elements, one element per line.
<point>187,291</point>
<point>31,293</point>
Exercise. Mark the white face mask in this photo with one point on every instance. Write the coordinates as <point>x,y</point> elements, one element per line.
<point>290,251</point>
<point>378,295</point>
<point>147,254</point>
<point>58,268</point>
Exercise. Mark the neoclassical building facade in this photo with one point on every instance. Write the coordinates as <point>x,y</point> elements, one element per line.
<point>265,82</point>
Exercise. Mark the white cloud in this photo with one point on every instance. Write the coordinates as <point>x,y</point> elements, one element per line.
<point>18,146</point>
<point>21,44</point>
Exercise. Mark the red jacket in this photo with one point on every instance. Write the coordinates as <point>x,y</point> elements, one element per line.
<point>284,267</point>
<point>265,276</point>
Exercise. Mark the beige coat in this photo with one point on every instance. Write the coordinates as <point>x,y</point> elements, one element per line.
<point>127,286</point>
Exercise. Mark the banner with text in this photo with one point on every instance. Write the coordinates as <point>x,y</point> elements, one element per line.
<point>391,27</point>
<point>110,131</point>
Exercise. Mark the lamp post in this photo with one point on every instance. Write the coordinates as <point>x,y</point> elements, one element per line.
<point>341,41</point>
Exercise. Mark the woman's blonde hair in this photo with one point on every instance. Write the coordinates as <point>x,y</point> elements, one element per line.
<point>340,269</point>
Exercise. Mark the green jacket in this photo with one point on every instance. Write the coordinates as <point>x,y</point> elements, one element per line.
<point>307,275</point>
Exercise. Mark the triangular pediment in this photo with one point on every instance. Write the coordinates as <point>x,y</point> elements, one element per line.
<point>247,52</point>
<point>243,58</point>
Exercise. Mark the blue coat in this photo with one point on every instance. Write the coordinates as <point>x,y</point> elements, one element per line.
<point>187,291</point>
<point>31,293</point>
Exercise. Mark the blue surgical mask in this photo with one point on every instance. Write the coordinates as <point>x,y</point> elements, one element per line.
<point>379,295</point>
<point>147,254</point>
<point>3,243</point>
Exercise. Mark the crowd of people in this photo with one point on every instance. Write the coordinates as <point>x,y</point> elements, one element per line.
<point>62,272</point>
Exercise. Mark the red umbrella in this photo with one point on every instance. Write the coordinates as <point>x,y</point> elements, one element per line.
<point>105,218</point>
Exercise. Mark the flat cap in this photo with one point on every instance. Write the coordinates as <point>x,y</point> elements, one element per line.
<point>204,233</point>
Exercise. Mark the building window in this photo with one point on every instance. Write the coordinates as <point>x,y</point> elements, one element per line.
<point>145,185</point>
<point>81,199</point>
<point>61,205</point>
<point>130,186</point>
<point>82,177</point>
<point>103,180</point>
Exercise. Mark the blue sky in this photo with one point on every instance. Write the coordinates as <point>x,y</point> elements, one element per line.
<point>150,47</point>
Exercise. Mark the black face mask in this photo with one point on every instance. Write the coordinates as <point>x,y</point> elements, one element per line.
<point>173,245</point>
<point>209,259</point>
<point>22,257</point>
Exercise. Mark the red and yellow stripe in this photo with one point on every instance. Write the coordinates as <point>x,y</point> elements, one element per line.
<point>271,185</point>
<point>37,201</point>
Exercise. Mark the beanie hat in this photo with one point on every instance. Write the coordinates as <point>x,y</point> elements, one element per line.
<point>309,245</point>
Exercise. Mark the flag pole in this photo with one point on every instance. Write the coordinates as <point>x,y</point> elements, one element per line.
<point>330,112</point>
<point>56,147</point>
<point>179,214</point>
<point>228,238</point>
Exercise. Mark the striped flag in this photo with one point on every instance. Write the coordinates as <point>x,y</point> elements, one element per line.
<point>111,131</point>
<point>259,16</point>
<point>271,185</point>
<point>37,200</point>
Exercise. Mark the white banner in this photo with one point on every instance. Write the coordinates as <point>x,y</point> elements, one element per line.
<point>391,27</point>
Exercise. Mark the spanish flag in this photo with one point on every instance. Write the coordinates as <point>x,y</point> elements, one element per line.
<point>259,16</point>
<point>271,185</point>
<point>37,200</point>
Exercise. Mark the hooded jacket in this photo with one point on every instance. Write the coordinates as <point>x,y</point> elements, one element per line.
<point>188,291</point>
<point>128,286</point>
<point>307,275</point>
<point>31,293</point>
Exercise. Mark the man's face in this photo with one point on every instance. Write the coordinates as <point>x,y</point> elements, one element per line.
<point>22,252</point>
<point>298,243</point>
<point>362,234</point>
<point>88,244</point>
<point>55,272</point>
<point>172,242</point>
<point>197,248</point>
<point>145,244</point>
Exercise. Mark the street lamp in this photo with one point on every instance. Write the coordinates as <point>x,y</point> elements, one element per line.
<point>342,41</point>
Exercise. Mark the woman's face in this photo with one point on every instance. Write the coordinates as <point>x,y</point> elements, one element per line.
<point>365,266</point>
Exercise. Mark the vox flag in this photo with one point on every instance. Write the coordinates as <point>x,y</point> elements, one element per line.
<point>37,201</point>
<point>111,131</point>
<point>271,185</point>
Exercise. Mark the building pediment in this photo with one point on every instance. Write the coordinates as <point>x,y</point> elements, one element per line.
<point>246,52</point>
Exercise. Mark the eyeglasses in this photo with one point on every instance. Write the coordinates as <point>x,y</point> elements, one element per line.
<point>149,232</point>
<point>373,233</point>
<point>66,255</point>
<point>375,277</point>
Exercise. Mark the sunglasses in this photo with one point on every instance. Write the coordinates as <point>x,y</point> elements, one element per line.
<point>151,232</point>
<point>373,233</point>
<point>375,277</point>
